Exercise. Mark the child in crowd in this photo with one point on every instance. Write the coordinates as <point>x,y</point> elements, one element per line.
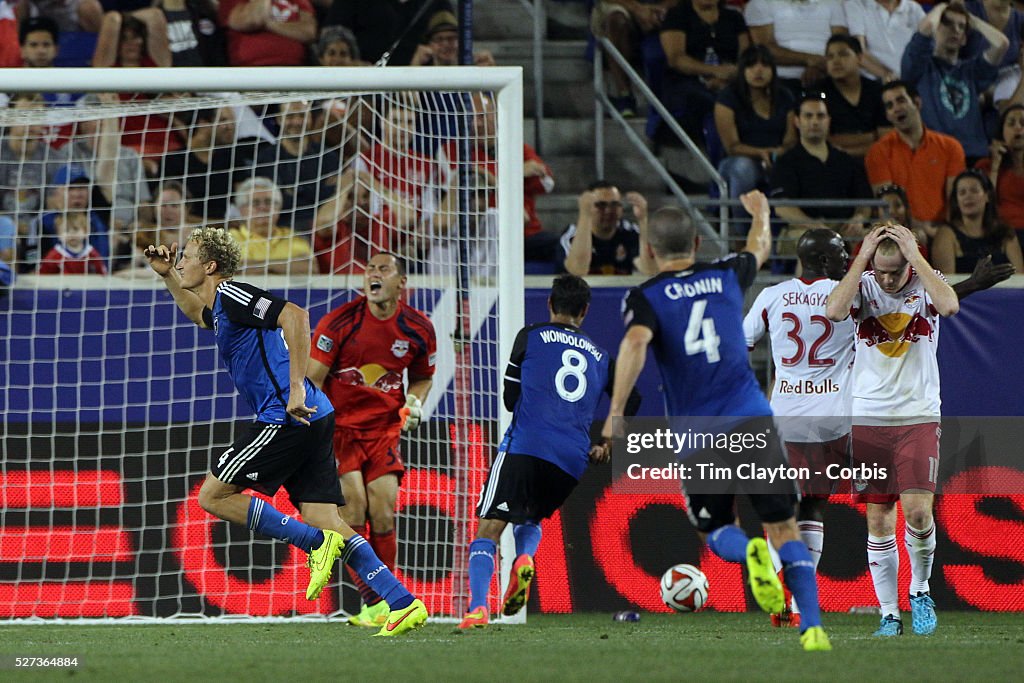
<point>73,255</point>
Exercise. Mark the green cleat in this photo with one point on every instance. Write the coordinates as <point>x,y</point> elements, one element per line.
<point>815,639</point>
<point>371,616</point>
<point>764,582</point>
<point>404,620</point>
<point>321,562</point>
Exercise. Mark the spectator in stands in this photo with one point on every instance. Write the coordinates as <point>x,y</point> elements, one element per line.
<point>854,101</point>
<point>896,206</point>
<point>1004,17</point>
<point>539,245</point>
<point>268,32</point>
<point>974,230</point>
<point>883,28</point>
<point>27,163</point>
<point>409,183</point>
<point>172,223</point>
<point>385,28</point>
<point>72,254</point>
<point>795,33</point>
<point>602,241</point>
<point>753,116</point>
<point>916,158</point>
<point>210,164</point>
<point>267,246</point>
<point>96,146</point>
<point>8,240</point>
<point>1009,88</point>
<point>440,46</point>
<point>702,40</point>
<point>625,23</point>
<point>950,87</point>
<point>1005,167</point>
<point>338,47</point>
<point>193,34</point>
<point>814,169</point>
<point>72,190</point>
<point>348,233</point>
<point>78,22</point>
<point>133,40</point>
<point>299,165</point>
<point>38,38</point>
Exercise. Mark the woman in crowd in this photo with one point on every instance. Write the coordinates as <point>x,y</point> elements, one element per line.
<point>1005,167</point>
<point>754,120</point>
<point>974,230</point>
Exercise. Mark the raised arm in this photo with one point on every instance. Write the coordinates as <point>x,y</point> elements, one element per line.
<point>580,250</point>
<point>162,260</point>
<point>841,298</point>
<point>942,295</point>
<point>759,239</point>
<point>644,263</point>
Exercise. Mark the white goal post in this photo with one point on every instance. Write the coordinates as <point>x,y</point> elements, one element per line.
<point>100,463</point>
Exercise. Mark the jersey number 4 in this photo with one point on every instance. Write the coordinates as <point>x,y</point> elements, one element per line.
<point>801,346</point>
<point>701,336</point>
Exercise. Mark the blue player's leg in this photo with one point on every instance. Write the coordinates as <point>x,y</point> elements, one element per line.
<point>798,569</point>
<point>527,535</point>
<point>481,569</point>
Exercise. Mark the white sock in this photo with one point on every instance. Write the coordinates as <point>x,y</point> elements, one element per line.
<point>921,549</point>
<point>884,563</point>
<point>813,534</point>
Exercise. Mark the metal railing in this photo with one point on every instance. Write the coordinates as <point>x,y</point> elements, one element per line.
<point>537,12</point>
<point>604,106</point>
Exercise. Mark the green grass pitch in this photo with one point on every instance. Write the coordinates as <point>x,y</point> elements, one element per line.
<point>587,647</point>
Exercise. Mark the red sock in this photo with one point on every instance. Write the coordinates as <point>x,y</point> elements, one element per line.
<point>365,592</point>
<point>386,547</point>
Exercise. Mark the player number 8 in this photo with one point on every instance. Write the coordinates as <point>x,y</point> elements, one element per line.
<point>574,364</point>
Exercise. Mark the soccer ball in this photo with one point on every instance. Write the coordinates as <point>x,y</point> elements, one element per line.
<point>684,588</point>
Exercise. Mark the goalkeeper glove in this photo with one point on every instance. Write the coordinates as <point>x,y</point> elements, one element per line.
<point>411,413</point>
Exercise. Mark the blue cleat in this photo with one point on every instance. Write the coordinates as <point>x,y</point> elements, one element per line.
<point>922,610</point>
<point>890,626</point>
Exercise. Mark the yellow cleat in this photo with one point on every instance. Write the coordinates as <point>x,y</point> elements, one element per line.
<point>764,582</point>
<point>404,620</point>
<point>371,616</point>
<point>477,618</point>
<point>321,562</point>
<point>815,639</point>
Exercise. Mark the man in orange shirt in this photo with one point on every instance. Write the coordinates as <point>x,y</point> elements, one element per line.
<point>921,161</point>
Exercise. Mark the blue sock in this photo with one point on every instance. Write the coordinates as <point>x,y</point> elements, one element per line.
<point>729,543</point>
<point>481,569</point>
<point>798,568</point>
<point>264,518</point>
<point>527,538</point>
<point>359,555</point>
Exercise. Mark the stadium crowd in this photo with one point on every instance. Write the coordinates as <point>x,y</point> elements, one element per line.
<point>921,106</point>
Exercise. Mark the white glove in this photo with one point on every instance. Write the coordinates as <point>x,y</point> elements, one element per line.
<point>411,413</point>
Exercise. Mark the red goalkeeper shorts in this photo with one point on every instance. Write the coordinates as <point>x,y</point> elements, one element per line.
<point>373,454</point>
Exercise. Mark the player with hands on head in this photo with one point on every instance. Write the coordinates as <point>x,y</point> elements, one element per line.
<point>897,306</point>
<point>553,382</point>
<point>360,352</point>
<point>264,341</point>
<point>691,316</point>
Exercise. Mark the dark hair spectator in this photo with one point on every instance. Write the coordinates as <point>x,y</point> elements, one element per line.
<point>854,101</point>
<point>385,26</point>
<point>974,230</point>
<point>133,40</point>
<point>193,34</point>
<point>1005,166</point>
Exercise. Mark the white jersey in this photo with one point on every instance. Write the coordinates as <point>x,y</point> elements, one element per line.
<point>896,372</point>
<point>813,358</point>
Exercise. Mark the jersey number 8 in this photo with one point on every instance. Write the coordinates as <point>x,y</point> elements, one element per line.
<point>574,364</point>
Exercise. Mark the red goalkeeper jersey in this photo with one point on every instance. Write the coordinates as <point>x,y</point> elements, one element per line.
<point>365,359</point>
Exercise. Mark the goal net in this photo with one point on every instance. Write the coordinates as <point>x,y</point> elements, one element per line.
<point>113,404</point>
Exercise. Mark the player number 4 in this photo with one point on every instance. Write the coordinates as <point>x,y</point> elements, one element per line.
<point>574,364</point>
<point>700,333</point>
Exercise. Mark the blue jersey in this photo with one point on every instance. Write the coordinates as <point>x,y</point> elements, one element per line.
<point>696,316</point>
<point>244,320</point>
<point>553,384</point>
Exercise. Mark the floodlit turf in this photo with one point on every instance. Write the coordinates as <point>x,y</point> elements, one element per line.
<point>709,646</point>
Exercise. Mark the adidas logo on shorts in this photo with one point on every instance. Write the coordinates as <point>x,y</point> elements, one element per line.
<point>253,475</point>
<point>503,507</point>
